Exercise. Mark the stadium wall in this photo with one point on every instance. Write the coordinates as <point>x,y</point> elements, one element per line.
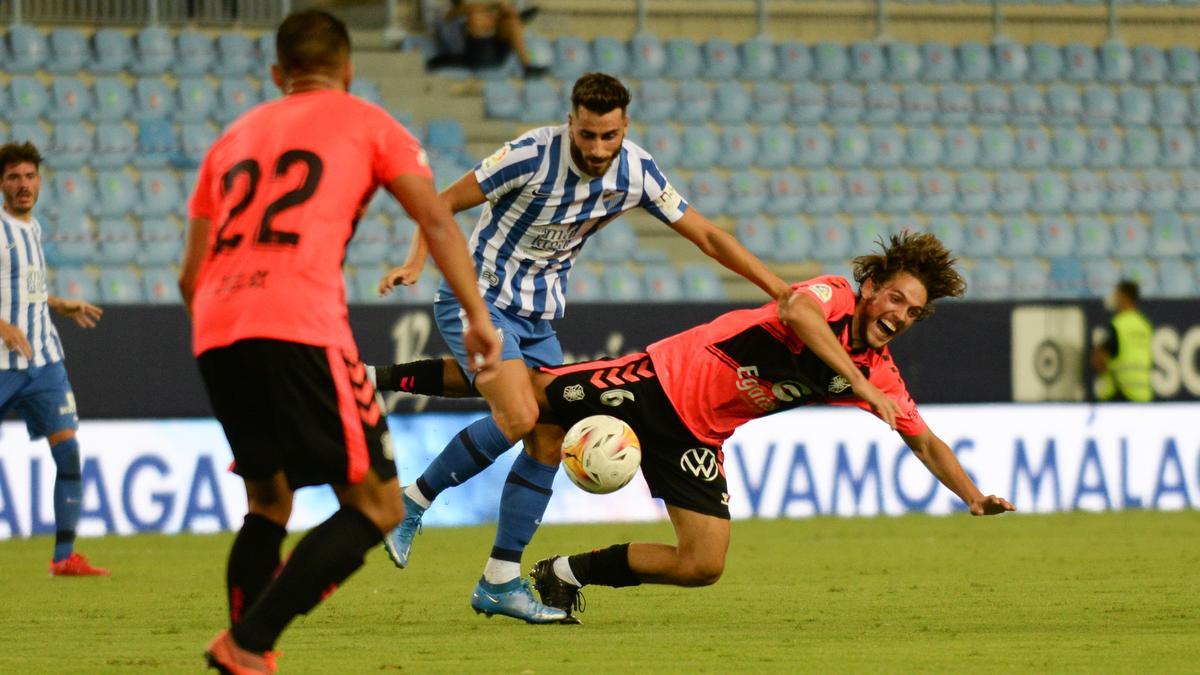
<point>170,476</point>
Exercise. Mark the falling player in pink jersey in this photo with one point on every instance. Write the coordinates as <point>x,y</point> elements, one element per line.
<point>823,343</point>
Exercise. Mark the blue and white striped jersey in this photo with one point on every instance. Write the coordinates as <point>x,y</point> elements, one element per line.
<point>541,209</point>
<point>24,298</point>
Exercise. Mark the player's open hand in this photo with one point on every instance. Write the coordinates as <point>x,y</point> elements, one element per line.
<point>886,408</point>
<point>83,312</point>
<point>990,506</point>
<point>14,340</point>
<point>404,275</point>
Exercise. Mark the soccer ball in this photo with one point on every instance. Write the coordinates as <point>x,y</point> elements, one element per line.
<point>601,454</point>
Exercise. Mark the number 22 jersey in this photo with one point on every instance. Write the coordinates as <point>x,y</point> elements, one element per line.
<point>282,189</point>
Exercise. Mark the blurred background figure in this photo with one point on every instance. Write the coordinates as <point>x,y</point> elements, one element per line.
<point>1122,360</point>
<point>481,35</point>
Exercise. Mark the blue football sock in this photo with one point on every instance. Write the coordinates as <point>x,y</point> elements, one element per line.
<point>472,450</point>
<point>522,503</point>
<point>68,496</point>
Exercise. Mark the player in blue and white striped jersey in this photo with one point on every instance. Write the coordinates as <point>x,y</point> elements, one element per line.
<point>544,195</point>
<point>33,380</point>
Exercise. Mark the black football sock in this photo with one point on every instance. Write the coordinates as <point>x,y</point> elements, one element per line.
<point>605,567</point>
<point>252,562</point>
<point>324,558</point>
<point>415,377</point>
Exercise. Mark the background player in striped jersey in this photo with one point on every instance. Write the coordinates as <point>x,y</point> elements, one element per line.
<point>821,343</point>
<point>33,380</point>
<point>544,195</point>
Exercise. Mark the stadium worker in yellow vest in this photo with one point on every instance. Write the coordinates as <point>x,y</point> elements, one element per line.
<point>1123,359</point>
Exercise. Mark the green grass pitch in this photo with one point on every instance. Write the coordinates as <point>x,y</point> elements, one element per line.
<point>1114,592</point>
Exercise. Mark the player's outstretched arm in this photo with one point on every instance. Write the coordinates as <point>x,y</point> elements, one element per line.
<point>941,462</point>
<point>725,249</point>
<point>83,312</point>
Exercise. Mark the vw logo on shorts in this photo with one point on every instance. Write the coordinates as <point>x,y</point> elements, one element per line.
<point>573,393</point>
<point>700,462</point>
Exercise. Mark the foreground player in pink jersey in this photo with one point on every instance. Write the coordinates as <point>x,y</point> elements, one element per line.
<point>822,343</point>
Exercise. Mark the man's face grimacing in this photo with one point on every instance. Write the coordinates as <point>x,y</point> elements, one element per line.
<point>887,310</point>
<point>20,182</point>
<point>596,139</point>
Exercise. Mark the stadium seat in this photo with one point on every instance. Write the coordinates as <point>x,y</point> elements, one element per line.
<point>539,103</point>
<point>974,62</point>
<point>616,242</point>
<point>768,103</point>
<point>923,148</point>
<point>161,242</point>
<point>731,103</point>
<point>662,283</point>
<point>1100,106</point>
<point>1009,61</point>
<point>1069,148</point>
<point>76,283</point>
<point>1149,65</point>
<point>160,193</point>
<point>1028,104</point>
<point>794,60</point>
<point>154,51</point>
<point>1093,237</point>
<point>160,286</point>
<point>113,100</point>
<point>154,99</point>
<point>502,101</point>
<point>68,238</point>
<point>701,283</point>
<point>850,147</point>
<point>881,103</point>
<point>234,97</point>
<point>721,60</point>
<point>684,60</point>
<point>31,132</point>
<point>1170,106</point>
<point>235,56</point>
<point>1032,148</point>
<point>700,147</point>
<point>157,144</point>
<point>885,148</point>
<point>992,281</point>
<point>572,58</point>
<point>27,99</point>
<point>665,144</point>
<point>1158,191</point>
<point>824,192</point>
<point>70,100</point>
<point>903,61</point>
<point>27,50</point>
<point>861,192</point>
<point>1184,65</point>
<point>1011,192</point>
<point>1066,277</point>
<point>372,240</point>
<point>197,100</point>
<point>1115,62</point>
<point>1104,148</point>
<point>1063,104</point>
<point>899,192</point>
<point>793,240</point>
<point>73,192</point>
<point>113,52</point>
<point>831,240</point>
<point>997,148</point>
<point>1177,279</point>
<point>195,54</point>
<point>1188,196</point>
<point>1135,106</point>
<point>265,47</point>
<point>583,284</point>
<point>1019,237</point>
<point>960,148</point>
<point>954,104</point>
<point>1030,279</point>
<point>610,55</point>
<point>115,146</point>
<point>757,235</point>
<point>757,57</point>
<point>1124,192</point>
<point>708,193</point>
<point>974,192</point>
<point>830,63</point>
<point>647,57</point>
<point>865,234</point>
<point>1079,63</point>
<point>785,194</point>
<point>194,141</point>
<point>738,148</point>
<point>918,104</point>
<point>694,102</point>
<point>68,51</point>
<point>71,146</point>
<point>936,190</point>
<point>444,136</point>
<point>116,194</point>
<point>1144,273</point>
<point>866,62</point>
<point>367,90</point>
<point>1168,239</point>
<point>1050,193</point>
<point>937,62</point>
<point>949,230</point>
<point>1131,237</point>
<point>807,103</point>
<point>845,103</point>
<point>1055,237</point>
<point>813,147</point>
<point>1087,192</point>
<point>655,101</point>
<point>1045,63</point>
<point>117,241</point>
<point>992,105</point>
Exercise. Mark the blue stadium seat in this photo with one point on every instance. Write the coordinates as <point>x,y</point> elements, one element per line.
<point>936,190</point>
<point>27,99</point>
<point>617,242</point>
<point>997,148</point>
<point>757,56</point>
<point>1066,277</point>
<point>197,100</point>
<point>738,148</point>
<point>701,283</point>
<point>949,230</point>
<point>1093,237</point>
<point>444,136</point>
<point>1045,63</point>
<point>1011,192</point>
<point>974,62</point>
<point>903,61</point>
<point>1009,61</point>
<point>1131,237</point>
<point>236,55</point>
<point>1184,65</point>
<point>1019,237</point>
<point>1099,105</point>
<point>647,57</point>
<point>161,242</point>
<point>831,240</point>
<point>992,105</point>
<point>865,233</point>
<point>1158,191</point>
<point>27,50</point>
<point>923,148</point>
<point>68,51</point>
<point>154,51</point>
<point>918,104</point>
<point>115,146</point>
<point>1115,62</point>
<point>234,97</point>
<point>160,193</point>
<point>70,100</point>
<point>866,62</point>
<point>610,55</point>
<point>974,192</point>
<point>960,148</point>
<point>850,147</point>
<point>71,146</point>
<point>830,63</point>
<point>982,238</point>
<point>1079,63</point>
<point>1136,108</point>
<point>1150,65</point>
<point>769,103</point>
<point>1087,192</point>
<point>1167,235</point>
<point>116,194</point>
<point>813,147</point>
<point>785,194</point>
<point>76,283</point>
<point>113,51</point>
<point>881,103</point>
<point>583,285</point>
<point>195,54</point>
<point>1170,106</point>
<point>1028,104</point>
<point>1063,104</point>
<point>731,103</point>
<point>157,144</point>
<point>808,103</point>
<point>991,281</point>
<point>684,60</point>
<point>502,101</point>
<point>74,192</point>
<point>572,58</point>
<point>694,102</point>
<point>954,104</point>
<point>265,46</point>
<point>1055,237</point>
<point>1141,148</point>
<point>1176,279</point>
<point>662,283</point>
<point>708,193</point>
<point>1050,193</point>
<point>845,103</point>
<point>655,101</point>
<point>539,103</point>
<point>117,240</point>
<point>31,132</point>
<point>154,99</point>
<point>937,62</point>
<point>794,59</point>
<point>194,141</point>
<point>1191,224</point>
<point>1104,148</point>
<point>372,241</point>
<point>1030,279</point>
<point>67,238</point>
<point>700,147</point>
<point>367,90</point>
<point>1189,193</point>
<point>721,60</point>
<point>793,240</point>
<point>113,100</point>
<point>664,144</point>
<point>1144,273</point>
<point>899,192</point>
<point>886,148</point>
<point>1124,192</point>
<point>160,286</point>
<point>824,192</point>
<point>1032,148</point>
<point>757,235</point>
<point>861,192</point>
<point>1069,148</point>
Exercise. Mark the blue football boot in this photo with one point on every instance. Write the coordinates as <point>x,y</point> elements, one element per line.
<point>514,598</point>
<point>399,541</point>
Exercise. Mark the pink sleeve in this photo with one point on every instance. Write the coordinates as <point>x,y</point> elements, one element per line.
<point>833,293</point>
<point>888,379</point>
<point>399,154</point>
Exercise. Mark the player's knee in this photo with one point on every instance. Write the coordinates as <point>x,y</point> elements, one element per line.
<point>703,572</point>
<point>518,422</point>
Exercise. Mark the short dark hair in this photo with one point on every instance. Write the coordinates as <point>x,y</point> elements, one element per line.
<point>16,153</point>
<point>311,41</point>
<point>921,255</point>
<point>1130,289</point>
<point>600,93</point>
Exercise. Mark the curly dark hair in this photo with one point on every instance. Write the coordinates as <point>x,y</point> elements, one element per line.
<point>16,153</point>
<point>311,41</point>
<point>920,254</point>
<point>599,93</point>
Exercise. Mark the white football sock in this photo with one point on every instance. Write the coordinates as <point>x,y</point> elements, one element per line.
<point>562,570</point>
<point>500,571</point>
<point>414,493</point>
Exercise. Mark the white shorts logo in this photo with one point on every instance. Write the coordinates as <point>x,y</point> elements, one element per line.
<point>789,390</point>
<point>838,384</point>
<point>573,393</point>
<point>822,291</point>
<point>700,462</point>
<point>616,397</point>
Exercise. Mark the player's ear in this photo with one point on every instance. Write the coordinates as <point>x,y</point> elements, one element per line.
<point>277,77</point>
<point>868,288</point>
